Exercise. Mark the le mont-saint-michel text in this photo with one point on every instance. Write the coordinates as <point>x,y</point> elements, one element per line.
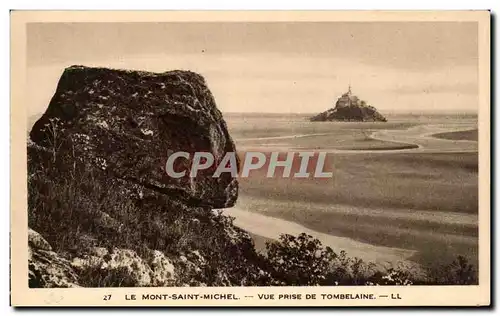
<point>230,296</point>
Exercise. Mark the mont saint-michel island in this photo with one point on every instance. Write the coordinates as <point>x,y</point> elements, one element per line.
<point>350,108</point>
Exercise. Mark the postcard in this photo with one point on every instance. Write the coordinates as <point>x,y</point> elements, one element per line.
<point>250,158</point>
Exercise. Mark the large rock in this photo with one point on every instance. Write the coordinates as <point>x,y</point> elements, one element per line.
<point>126,123</point>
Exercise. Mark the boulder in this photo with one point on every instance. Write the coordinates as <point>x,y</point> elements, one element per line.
<point>126,123</point>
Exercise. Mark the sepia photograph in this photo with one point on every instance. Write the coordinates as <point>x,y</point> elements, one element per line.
<point>189,155</point>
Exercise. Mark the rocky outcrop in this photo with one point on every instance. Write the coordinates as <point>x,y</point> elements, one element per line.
<point>350,108</point>
<point>47,268</point>
<point>99,194</point>
<point>126,268</point>
<point>127,122</point>
<point>122,267</point>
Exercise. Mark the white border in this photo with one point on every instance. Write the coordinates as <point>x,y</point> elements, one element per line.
<point>214,4</point>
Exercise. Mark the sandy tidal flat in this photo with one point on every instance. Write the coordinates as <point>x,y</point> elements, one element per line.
<point>383,204</point>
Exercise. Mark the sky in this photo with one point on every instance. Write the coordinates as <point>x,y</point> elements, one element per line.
<point>290,67</point>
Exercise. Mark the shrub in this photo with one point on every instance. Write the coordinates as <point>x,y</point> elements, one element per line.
<point>459,272</point>
<point>299,260</point>
<point>302,260</point>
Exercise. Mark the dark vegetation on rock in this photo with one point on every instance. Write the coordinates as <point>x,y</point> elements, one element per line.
<point>350,108</point>
<point>103,213</point>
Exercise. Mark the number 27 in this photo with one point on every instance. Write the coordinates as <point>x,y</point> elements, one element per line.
<point>107,297</point>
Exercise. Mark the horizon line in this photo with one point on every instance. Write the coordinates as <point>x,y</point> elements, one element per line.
<point>464,111</point>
